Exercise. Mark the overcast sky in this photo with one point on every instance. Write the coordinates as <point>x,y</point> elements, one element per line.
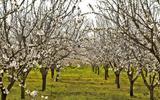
<point>84,5</point>
<point>85,8</point>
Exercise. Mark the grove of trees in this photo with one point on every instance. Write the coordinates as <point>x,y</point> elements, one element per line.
<point>41,34</point>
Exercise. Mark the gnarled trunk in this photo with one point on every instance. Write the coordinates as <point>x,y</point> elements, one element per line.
<point>3,96</point>
<point>150,85</point>
<point>58,74</point>
<point>44,82</point>
<point>117,80</point>
<point>3,91</point>
<point>52,71</point>
<point>98,71</point>
<point>23,90</point>
<point>106,75</point>
<point>131,88</point>
<point>95,69</point>
<point>146,72</point>
<point>44,71</point>
<point>151,91</point>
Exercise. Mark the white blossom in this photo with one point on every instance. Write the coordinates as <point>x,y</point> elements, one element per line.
<point>1,82</point>
<point>13,64</point>
<point>16,67</point>
<point>57,49</point>
<point>159,82</point>
<point>151,25</point>
<point>5,90</point>
<point>10,76</point>
<point>28,91</point>
<point>12,47</point>
<point>67,64</point>
<point>5,57</point>
<point>40,32</point>
<point>57,66</point>
<point>34,62</point>
<point>116,69</point>
<point>30,45</point>
<point>40,66</point>
<point>1,71</point>
<point>42,96</point>
<point>78,65</point>
<point>20,85</point>
<point>15,78</point>
<point>46,97</point>
<point>38,56</point>
<point>5,46</point>
<point>34,93</point>
<point>25,70</point>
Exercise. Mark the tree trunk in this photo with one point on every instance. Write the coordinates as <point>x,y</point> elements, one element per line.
<point>52,71</point>
<point>24,77</point>
<point>58,74</point>
<point>117,80</point>
<point>151,90</point>
<point>131,88</point>
<point>44,72</point>
<point>11,72</point>
<point>95,69</point>
<point>3,96</point>
<point>44,82</point>
<point>23,90</point>
<point>106,73</point>
<point>3,91</point>
<point>98,70</point>
<point>146,73</point>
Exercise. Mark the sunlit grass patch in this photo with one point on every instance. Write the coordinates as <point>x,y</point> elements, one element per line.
<point>83,84</point>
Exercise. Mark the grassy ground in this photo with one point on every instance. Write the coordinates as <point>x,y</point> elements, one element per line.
<point>83,84</point>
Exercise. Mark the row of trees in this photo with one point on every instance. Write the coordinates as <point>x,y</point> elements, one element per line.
<point>127,37</point>
<point>36,34</point>
<point>42,33</point>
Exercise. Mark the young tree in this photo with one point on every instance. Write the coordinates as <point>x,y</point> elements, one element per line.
<point>15,58</point>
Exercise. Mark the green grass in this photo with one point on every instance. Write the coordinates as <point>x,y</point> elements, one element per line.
<point>83,84</point>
